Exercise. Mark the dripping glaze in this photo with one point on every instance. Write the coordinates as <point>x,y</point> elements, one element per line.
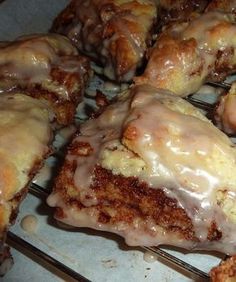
<point>164,141</point>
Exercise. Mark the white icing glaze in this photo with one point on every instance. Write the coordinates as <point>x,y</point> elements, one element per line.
<point>25,134</point>
<point>188,54</point>
<point>29,60</point>
<point>181,152</point>
<point>149,257</point>
<point>133,234</point>
<point>213,31</point>
<point>202,27</point>
<point>43,175</point>
<point>29,223</point>
<point>99,135</point>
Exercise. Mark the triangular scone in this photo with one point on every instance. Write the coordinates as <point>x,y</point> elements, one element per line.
<point>115,33</point>
<point>188,54</point>
<point>153,169</point>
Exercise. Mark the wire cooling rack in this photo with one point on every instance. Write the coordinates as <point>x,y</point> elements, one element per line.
<point>36,190</point>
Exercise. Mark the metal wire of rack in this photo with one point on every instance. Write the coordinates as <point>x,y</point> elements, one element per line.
<point>24,246</point>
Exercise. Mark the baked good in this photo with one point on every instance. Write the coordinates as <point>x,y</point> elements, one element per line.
<point>153,169</point>
<point>105,175</point>
<point>188,54</point>
<point>225,272</point>
<point>115,33</point>
<point>225,116</point>
<point>46,67</point>
<point>25,129</point>
<point>42,79</point>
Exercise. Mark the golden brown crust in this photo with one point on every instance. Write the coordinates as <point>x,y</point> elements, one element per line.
<point>115,34</point>
<point>225,272</point>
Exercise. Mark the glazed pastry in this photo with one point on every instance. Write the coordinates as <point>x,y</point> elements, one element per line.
<point>186,55</point>
<point>154,170</point>
<point>25,136</point>
<point>115,33</point>
<point>225,115</point>
<point>47,67</point>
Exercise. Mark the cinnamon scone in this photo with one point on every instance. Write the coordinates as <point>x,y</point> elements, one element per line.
<point>47,67</point>
<point>188,54</point>
<point>115,33</point>
<point>25,132</point>
<point>153,169</point>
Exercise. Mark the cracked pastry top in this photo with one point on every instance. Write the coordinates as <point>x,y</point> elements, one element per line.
<point>188,54</point>
<point>153,169</point>
<point>47,67</point>
<point>115,33</point>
